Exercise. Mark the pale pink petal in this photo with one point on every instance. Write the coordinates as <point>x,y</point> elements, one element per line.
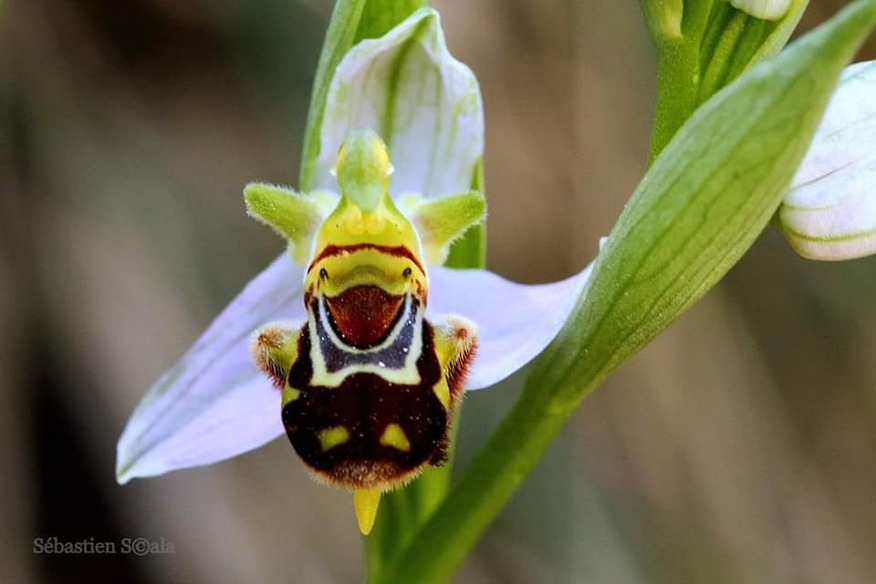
<point>515,321</point>
<point>214,404</point>
<point>847,132</point>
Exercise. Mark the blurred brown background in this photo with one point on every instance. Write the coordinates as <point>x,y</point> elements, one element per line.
<point>739,447</point>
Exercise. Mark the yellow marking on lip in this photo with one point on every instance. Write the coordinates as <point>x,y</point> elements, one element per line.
<point>290,394</point>
<point>331,437</point>
<point>395,437</point>
<point>442,392</point>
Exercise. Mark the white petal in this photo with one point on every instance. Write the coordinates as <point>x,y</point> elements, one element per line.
<point>214,403</point>
<point>847,132</point>
<point>830,211</point>
<point>515,321</point>
<point>425,105</point>
<point>834,217</point>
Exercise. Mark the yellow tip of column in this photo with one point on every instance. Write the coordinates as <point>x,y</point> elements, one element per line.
<point>366,501</point>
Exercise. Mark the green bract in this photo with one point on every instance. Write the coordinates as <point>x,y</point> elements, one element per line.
<point>699,207</point>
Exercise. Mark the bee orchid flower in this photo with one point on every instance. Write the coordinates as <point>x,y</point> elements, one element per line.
<point>401,96</point>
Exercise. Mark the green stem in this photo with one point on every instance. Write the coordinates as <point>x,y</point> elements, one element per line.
<point>678,75</point>
<point>678,80</point>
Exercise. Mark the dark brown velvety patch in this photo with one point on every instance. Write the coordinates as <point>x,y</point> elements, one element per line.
<point>363,316</point>
<point>365,404</point>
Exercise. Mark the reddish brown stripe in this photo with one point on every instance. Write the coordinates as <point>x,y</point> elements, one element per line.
<point>398,251</point>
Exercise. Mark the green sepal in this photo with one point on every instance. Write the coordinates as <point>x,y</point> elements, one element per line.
<point>292,215</point>
<point>440,222</point>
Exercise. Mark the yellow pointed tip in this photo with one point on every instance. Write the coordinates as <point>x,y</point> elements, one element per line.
<point>366,502</point>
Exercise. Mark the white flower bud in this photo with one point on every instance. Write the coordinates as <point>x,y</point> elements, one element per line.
<point>830,211</point>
